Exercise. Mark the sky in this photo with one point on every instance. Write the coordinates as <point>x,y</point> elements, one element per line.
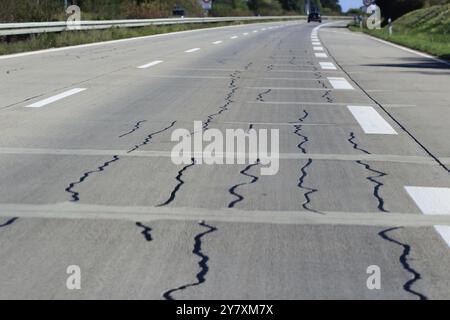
<point>347,4</point>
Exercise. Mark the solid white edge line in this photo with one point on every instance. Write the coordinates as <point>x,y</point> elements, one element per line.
<point>55,98</point>
<point>151,64</point>
<point>370,120</point>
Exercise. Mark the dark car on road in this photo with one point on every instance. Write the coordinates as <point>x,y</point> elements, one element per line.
<point>314,16</point>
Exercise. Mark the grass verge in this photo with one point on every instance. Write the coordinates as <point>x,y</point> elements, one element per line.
<point>17,44</point>
<point>427,30</point>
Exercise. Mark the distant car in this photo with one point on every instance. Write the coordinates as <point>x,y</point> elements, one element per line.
<point>314,16</point>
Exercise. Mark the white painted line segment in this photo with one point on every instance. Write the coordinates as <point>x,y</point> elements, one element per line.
<point>318,48</point>
<point>327,66</point>
<point>370,120</point>
<point>192,50</point>
<point>444,232</point>
<point>151,64</point>
<point>316,43</point>
<point>321,55</point>
<point>55,98</point>
<point>433,201</point>
<point>340,83</point>
<point>217,42</point>
<point>234,37</point>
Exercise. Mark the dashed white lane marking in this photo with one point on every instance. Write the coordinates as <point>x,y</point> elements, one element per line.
<point>55,98</point>
<point>370,120</point>
<point>444,232</point>
<point>340,83</point>
<point>327,66</point>
<point>315,43</point>
<point>192,50</point>
<point>263,29</point>
<point>151,64</point>
<point>433,201</point>
<point>245,34</point>
<point>321,55</point>
<point>217,42</point>
<point>234,37</point>
<point>255,31</point>
<point>318,48</point>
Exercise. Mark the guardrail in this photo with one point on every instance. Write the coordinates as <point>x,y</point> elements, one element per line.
<point>9,29</point>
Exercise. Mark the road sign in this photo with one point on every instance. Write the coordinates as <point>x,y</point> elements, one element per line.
<point>206,4</point>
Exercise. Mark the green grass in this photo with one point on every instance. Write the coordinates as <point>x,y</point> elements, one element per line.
<point>70,38</point>
<point>427,30</point>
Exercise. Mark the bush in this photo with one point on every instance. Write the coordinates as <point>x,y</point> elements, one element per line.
<point>52,10</point>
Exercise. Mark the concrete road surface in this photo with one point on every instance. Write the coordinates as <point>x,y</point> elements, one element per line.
<point>358,209</point>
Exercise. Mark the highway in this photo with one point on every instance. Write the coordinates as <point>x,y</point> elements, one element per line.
<point>87,178</point>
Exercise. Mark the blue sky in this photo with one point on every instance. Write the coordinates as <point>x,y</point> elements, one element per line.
<point>347,4</point>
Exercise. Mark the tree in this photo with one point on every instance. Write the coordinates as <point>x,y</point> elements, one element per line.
<point>333,5</point>
<point>265,7</point>
<point>230,8</point>
<point>293,5</point>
